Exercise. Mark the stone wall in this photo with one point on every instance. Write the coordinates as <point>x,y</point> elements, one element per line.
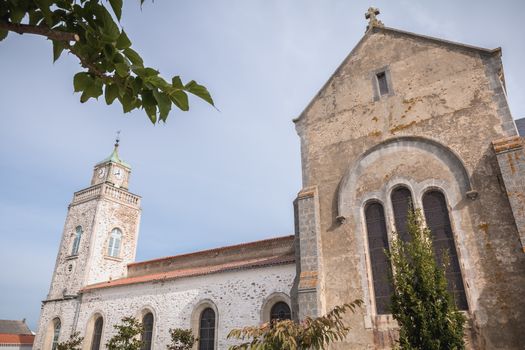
<point>237,296</point>
<point>433,130</point>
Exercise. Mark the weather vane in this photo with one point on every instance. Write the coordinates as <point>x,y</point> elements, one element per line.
<point>117,139</point>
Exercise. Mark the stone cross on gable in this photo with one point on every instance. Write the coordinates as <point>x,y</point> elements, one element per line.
<point>371,15</point>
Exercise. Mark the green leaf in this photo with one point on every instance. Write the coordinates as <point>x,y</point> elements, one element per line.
<point>122,69</point>
<point>34,17</point>
<point>112,92</point>
<point>123,41</point>
<point>145,72</point>
<point>116,5</point>
<point>180,99</point>
<point>93,90</point>
<point>109,29</point>
<point>176,82</point>
<point>150,105</point>
<point>127,102</point>
<point>164,103</point>
<point>133,56</point>
<point>58,47</point>
<point>199,90</point>
<point>17,14</point>
<point>81,81</point>
<point>3,34</point>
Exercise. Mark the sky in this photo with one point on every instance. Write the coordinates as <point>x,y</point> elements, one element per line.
<point>208,177</point>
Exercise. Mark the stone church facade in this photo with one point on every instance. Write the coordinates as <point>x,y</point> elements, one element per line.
<point>406,120</point>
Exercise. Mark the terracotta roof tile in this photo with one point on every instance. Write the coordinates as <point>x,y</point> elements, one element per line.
<point>14,327</point>
<point>16,338</point>
<point>263,242</point>
<point>198,271</point>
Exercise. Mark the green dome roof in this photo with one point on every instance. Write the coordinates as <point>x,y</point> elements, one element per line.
<point>114,158</point>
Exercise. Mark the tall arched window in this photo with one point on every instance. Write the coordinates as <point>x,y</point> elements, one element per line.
<point>377,245</point>
<point>438,221</point>
<point>147,323</point>
<point>76,242</point>
<point>56,333</point>
<point>207,330</point>
<point>402,203</point>
<point>97,333</point>
<point>280,311</point>
<point>114,243</point>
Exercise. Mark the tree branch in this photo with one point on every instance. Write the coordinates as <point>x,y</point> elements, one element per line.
<point>38,30</point>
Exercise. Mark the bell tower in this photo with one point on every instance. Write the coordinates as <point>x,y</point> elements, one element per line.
<point>101,230</point>
<point>99,240</point>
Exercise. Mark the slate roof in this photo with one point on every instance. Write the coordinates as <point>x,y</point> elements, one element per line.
<point>520,124</point>
<point>14,327</point>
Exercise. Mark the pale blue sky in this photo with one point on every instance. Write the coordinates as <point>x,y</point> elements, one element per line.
<point>207,178</point>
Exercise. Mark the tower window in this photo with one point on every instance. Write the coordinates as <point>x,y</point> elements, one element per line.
<point>76,242</point>
<point>114,243</point>
<point>382,83</point>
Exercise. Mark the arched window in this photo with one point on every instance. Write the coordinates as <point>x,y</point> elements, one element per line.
<point>402,203</point>
<point>377,245</point>
<point>280,311</point>
<point>147,323</point>
<point>114,243</point>
<point>207,330</point>
<point>56,333</point>
<point>76,242</point>
<point>97,333</point>
<point>438,221</point>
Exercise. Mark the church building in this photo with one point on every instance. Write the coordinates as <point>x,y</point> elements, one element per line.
<point>406,121</point>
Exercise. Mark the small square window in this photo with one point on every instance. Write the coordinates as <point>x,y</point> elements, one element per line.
<point>382,83</point>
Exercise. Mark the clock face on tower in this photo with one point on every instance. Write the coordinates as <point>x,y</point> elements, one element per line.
<point>118,173</point>
<point>101,172</point>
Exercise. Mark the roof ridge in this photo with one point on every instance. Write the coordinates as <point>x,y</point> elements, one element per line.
<point>229,247</point>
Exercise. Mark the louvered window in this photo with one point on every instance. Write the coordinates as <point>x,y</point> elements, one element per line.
<point>437,218</point>
<point>402,203</point>
<point>207,330</point>
<point>377,245</point>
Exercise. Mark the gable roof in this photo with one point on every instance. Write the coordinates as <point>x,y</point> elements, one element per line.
<point>14,327</point>
<point>199,271</point>
<point>388,30</point>
<point>520,124</point>
<point>250,255</point>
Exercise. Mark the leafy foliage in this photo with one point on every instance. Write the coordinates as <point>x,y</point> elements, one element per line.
<point>312,333</point>
<point>87,29</point>
<point>73,343</point>
<point>421,304</point>
<point>128,335</point>
<point>181,339</point>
